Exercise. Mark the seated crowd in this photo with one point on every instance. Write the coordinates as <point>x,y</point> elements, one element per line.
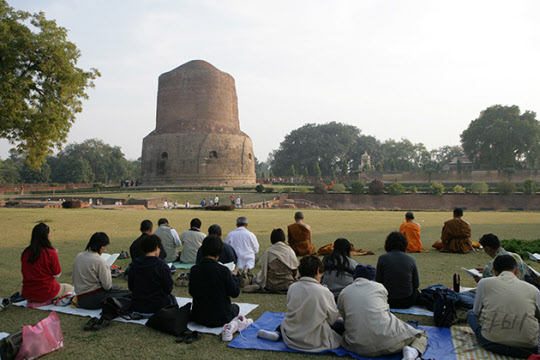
<point>330,303</point>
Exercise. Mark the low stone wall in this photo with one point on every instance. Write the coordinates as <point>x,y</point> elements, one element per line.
<point>423,201</point>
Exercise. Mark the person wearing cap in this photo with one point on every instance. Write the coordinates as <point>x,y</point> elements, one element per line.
<point>244,243</point>
<point>411,230</point>
<point>299,236</point>
<point>371,330</point>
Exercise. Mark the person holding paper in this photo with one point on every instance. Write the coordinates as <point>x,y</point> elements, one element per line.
<point>506,311</point>
<point>92,276</point>
<point>456,235</point>
<point>150,279</point>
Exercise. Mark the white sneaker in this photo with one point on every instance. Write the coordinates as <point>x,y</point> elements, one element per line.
<point>228,331</point>
<point>268,335</point>
<point>410,353</point>
<point>242,322</point>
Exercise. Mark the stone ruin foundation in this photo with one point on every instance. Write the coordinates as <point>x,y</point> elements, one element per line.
<point>197,140</point>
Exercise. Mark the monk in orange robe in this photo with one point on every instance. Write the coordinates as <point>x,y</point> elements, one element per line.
<point>299,235</point>
<point>411,230</point>
<point>456,235</point>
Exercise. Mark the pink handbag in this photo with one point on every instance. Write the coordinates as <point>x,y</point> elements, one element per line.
<point>42,338</point>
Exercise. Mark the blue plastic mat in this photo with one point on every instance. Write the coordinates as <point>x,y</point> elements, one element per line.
<point>184,266</point>
<point>415,310</point>
<point>439,340</point>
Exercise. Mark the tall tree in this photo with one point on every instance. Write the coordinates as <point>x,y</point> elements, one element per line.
<point>501,137</point>
<point>41,88</point>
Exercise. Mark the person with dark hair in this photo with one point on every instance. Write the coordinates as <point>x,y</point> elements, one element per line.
<point>228,255</point>
<point>40,268</point>
<point>135,248</point>
<point>212,285</point>
<point>492,247</point>
<point>150,279</point>
<point>245,244</point>
<point>371,330</point>
<point>192,240</point>
<point>311,311</point>
<point>506,312</point>
<point>398,272</point>
<point>456,235</point>
<point>299,235</point>
<point>279,266</point>
<point>169,239</point>
<point>338,267</point>
<point>92,276</point>
<point>411,230</point>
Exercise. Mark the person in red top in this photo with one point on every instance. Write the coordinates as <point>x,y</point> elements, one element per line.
<point>40,268</point>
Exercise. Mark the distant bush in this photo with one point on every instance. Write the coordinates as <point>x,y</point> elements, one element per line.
<point>436,188</point>
<point>529,187</point>
<point>97,185</point>
<point>479,187</point>
<point>413,190</point>
<point>339,188</point>
<point>320,189</point>
<point>376,187</point>
<point>521,247</point>
<point>303,189</point>
<point>259,188</point>
<point>506,188</point>
<point>357,187</point>
<point>396,189</point>
<point>286,190</point>
<point>269,189</point>
<point>458,189</point>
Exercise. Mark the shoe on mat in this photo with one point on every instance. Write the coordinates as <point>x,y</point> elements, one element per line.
<point>229,330</point>
<point>269,335</point>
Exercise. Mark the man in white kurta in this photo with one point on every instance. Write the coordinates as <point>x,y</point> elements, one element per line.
<point>244,243</point>
<point>370,329</point>
<point>311,310</point>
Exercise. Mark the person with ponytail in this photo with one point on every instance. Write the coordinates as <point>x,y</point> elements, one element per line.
<point>40,268</point>
<point>338,267</point>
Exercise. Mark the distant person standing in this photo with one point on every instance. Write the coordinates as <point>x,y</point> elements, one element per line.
<point>232,199</point>
<point>411,230</point>
<point>299,235</point>
<point>456,235</point>
<point>216,200</point>
<point>203,202</point>
<point>238,201</point>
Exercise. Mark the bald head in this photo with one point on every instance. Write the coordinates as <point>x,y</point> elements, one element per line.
<point>299,215</point>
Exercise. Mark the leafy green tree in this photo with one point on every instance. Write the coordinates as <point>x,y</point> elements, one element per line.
<point>292,171</point>
<point>479,187</point>
<point>259,188</point>
<point>529,187</point>
<point>446,154</point>
<point>317,171</point>
<point>501,137</point>
<point>357,187</point>
<point>379,166</point>
<point>306,173</point>
<point>413,190</point>
<point>344,167</point>
<point>41,88</point>
<point>9,172</point>
<point>81,172</point>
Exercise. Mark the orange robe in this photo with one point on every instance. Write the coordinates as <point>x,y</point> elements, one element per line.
<point>455,237</point>
<point>411,231</point>
<point>299,236</point>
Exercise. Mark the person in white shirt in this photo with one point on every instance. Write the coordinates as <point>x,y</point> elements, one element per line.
<point>169,239</point>
<point>244,243</point>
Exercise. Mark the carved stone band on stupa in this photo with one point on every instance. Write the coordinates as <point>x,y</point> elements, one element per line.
<point>197,139</point>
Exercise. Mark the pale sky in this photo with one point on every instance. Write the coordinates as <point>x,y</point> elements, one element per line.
<point>421,70</point>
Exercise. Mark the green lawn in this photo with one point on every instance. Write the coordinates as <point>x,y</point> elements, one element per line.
<point>71,229</point>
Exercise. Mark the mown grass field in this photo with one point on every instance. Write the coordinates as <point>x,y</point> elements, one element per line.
<point>71,229</point>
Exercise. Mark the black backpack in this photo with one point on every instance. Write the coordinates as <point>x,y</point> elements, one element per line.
<point>444,310</point>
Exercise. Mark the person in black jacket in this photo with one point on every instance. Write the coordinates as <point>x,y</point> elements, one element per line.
<point>150,279</point>
<point>135,248</point>
<point>212,285</point>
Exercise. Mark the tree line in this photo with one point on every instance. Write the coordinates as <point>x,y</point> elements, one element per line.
<point>86,162</point>
<point>500,138</point>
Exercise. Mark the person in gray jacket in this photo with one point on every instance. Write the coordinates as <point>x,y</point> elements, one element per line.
<point>169,239</point>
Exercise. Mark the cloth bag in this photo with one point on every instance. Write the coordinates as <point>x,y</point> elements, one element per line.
<point>171,319</point>
<point>42,338</point>
<point>9,346</point>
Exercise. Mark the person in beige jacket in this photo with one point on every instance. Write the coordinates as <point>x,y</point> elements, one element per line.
<point>311,311</point>
<point>506,311</point>
<point>371,330</point>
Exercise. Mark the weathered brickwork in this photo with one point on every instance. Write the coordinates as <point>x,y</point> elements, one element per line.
<point>197,139</point>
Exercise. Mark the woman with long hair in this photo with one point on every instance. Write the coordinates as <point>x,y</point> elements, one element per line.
<point>40,268</point>
<point>338,267</point>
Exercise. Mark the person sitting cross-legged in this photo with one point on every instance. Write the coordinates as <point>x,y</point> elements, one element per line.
<point>338,267</point>
<point>212,285</point>
<point>456,235</point>
<point>371,330</point>
<point>150,279</point>
<point>299,235</point>
<point>192,240</point>
<point>228,255</point>
<point>506,312</point>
